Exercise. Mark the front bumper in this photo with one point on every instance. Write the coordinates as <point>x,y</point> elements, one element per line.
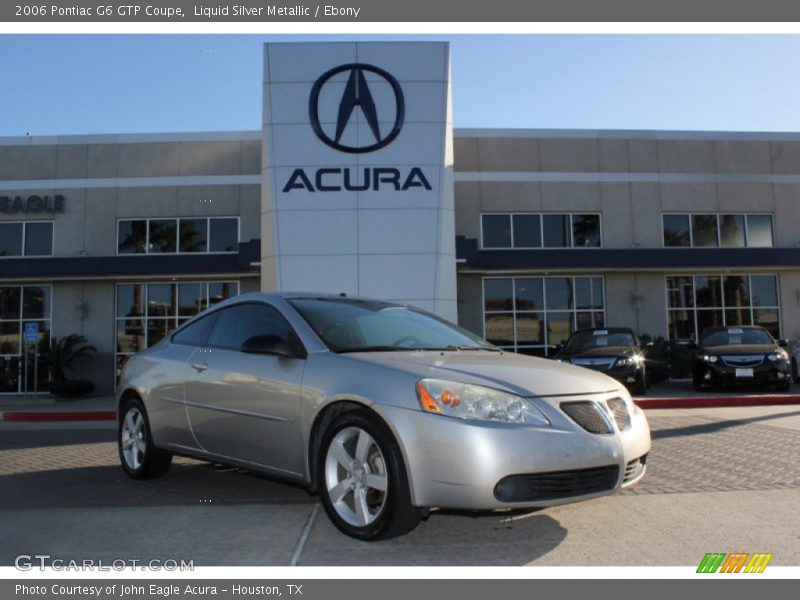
<point>768,373</point>
<point>454,463</point>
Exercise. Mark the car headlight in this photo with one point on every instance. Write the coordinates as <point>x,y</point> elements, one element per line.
<point>467,401</point>
<point>780,355</point>
<point>711,358</point>
<point>633,359</point>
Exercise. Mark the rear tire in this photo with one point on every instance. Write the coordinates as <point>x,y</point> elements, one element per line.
<point>697,382</point>
<point>362,479</point>
<point>139,457</point>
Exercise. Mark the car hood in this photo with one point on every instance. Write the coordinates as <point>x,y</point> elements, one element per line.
<point>518,374</point>
<point>602,351</point>
<point>740,349</point>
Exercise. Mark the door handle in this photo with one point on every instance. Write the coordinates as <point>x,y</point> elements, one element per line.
<point>199,365</point>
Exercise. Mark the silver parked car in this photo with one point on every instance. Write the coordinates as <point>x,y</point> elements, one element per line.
<point>383,409</point>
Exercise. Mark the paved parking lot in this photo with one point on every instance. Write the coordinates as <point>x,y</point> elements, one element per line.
<point>718,480</point>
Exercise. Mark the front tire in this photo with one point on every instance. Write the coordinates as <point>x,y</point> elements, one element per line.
<point>795,373</point>
<point>362,479</point>
<point>139,457</point>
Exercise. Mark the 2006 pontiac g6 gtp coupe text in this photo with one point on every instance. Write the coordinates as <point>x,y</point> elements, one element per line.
<point>383,409</point>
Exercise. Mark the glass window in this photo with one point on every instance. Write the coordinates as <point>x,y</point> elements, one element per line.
<point>498,294</point>
<point>528,293</point>
<point>768,318</point>
<point>9,302</point>
<point>530,329</point>
<point>515,316</point>
<point>163,236</point>
<point>737,302</point>
<point>765,290</point>
<point>527,231</point>
<point>676,230</point>
<point>148,312</point>
<point>196,334</point>
<point>496,231</point>
<point>731,230</point>
<point>556,231</point>
<point>9,337</point>
<point>237,324</point>
<point>708,291</point>
<point>130,299</point>
<point>704,230</point>
<point>130,336</point>
<point>558,293</point>
<point>222,290</point>
<point>132,237</point>
<point>736,289</point>
<point>759,230</point>
<point>36,302</point>
<point>191,298</point>
<point>499,329</point>
<point>680,291</point>
<point>559,327</point>
<point>38,239</point>
<point>160,300</point>
<point>224,235</point>
<point>194,235</point>
<point>586,231</point>
<point>10,239</point>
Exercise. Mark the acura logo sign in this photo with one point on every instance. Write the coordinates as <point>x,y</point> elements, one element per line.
<point>357,94</point>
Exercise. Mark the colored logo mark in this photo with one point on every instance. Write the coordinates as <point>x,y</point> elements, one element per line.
<point>735,562</point>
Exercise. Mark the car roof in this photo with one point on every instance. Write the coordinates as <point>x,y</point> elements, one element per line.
<point>300,295</point>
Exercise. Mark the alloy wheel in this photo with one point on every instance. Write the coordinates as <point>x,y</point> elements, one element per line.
<point>356,480</point>
<point>132,438</point>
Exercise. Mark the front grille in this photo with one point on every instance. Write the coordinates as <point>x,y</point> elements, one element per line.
<point>751,360</point>
<point>620,411</point>
<point>598,364</point>
<point>556,485</point>
<point>588,415</point>
<point>634,468</point>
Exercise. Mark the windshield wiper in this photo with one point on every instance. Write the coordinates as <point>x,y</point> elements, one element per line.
<point>461,347</point>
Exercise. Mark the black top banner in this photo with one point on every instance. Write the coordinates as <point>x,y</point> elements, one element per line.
<point>264,11</point>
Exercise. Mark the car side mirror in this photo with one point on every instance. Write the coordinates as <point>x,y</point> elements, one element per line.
<point>783,343</point>
<point>267,343</point>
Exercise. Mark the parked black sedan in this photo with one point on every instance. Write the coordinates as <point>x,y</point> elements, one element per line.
<point>616,351</point>
<point>740,356</point>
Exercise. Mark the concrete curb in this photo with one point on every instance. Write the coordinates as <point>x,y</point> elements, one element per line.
<point>43,416</point>
<point>715,401</point>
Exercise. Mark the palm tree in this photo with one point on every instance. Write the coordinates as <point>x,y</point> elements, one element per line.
<point>61,354</point>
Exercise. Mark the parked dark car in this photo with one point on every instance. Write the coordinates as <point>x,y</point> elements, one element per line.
<point>615,351</point>
<point>740,356</point>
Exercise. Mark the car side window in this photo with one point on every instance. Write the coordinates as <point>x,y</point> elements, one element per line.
<point>196,333</point>
<point>244,321</point>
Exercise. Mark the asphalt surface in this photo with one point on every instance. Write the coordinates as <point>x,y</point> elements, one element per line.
<point>718,480</point>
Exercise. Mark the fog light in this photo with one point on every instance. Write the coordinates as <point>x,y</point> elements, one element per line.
<point>707,376</point>
<point>781,375</point>
<point>631,379</point>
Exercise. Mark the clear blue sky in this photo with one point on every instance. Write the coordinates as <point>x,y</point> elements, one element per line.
<point>61,84</point>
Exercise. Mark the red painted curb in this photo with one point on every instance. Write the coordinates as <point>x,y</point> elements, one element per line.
<point>45,416</point>
<point>714,401</point>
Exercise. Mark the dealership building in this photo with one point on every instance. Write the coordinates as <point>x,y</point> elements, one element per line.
<point>357,183</point>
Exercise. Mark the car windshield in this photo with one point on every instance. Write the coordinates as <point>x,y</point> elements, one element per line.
<point>352,325</point>
<point>736,336</point>
<point>599,338</point>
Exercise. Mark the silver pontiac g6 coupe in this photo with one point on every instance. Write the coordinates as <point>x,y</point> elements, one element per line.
<point>383,409</point>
